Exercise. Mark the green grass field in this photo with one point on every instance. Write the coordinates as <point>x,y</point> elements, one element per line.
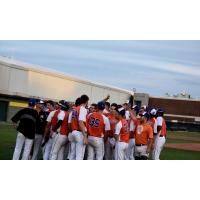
<point>8,137</point>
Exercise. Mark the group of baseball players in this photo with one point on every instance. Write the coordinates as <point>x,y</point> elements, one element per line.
<point>101,131</point>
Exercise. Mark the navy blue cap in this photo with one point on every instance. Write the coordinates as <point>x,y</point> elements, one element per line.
<point>160,110</point>
<point>136,108</point>
<point>32,102</point>
<point>121,111</point>
<point>146,114</point>
<point>101,105</point>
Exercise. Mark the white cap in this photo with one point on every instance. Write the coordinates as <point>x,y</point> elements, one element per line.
<point>41,101</point>
<point>120,109</point>
<point>153,111</point>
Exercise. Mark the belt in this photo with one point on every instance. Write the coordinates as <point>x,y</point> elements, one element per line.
<point>140,145</point>
<point>77,130</point>
<point>161,136</point>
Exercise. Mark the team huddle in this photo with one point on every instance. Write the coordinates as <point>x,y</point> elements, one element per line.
<point>101,131</point>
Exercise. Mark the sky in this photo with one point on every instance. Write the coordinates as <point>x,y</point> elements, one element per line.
<point>154,67</point>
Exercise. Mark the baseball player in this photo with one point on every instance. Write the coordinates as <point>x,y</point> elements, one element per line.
<point>133,128</point>
<point>109,137</point>
<point>160,138</point>
<point>121,135</point>
<point>39,129</point>
<point>61,128</point>
<point>28,119</point>
<point>71,155</point>
<point>143,138</point>
<point>78,127</point>
<point>50,135</point>
<point>97,125</point>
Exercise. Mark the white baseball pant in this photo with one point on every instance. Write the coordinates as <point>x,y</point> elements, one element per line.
<point>95,148</point>
<point>121,149</point>
<point>158,147</point>
<point>36,146</point>
<point>131,149</point>
<point>48,146</point>
<point>58,147</point>
<point>71,155</point>
<point>109,149</point>
<point>141,151</point>
<point>77,146</point>
<point>20,142</point>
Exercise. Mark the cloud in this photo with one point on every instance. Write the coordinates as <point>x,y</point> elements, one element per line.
<point>152,66</point>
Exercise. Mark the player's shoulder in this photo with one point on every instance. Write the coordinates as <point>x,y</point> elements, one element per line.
<point>53,111</point>
<point>159,118</point>
<point>82,109</point>
<point>89,115</point>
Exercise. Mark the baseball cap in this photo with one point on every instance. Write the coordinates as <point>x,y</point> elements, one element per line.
<point>64,104</point>
<point>145,114</point>
<point>121,111</point>
<point>39,101</point>
<point>136,108</point>
<point>61,102</point>
<point>153,111</point>
<point>101,105</point>
<point>32,102</point>
<point>160,110</point>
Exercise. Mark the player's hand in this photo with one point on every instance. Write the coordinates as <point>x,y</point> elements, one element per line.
<point>15,125</point>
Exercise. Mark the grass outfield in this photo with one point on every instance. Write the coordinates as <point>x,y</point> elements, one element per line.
<point>8,137</point>
<point>175,154</point>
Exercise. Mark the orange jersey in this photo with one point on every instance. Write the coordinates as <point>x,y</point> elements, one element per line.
<point>113,121</point>
<point>75,116</point>
<point>95,124</point>
<point>163,130</point>
<point>54,119</point>
<point>152,122</point>
<point>144,132</point>
<point>125,131</point>
<point>64,129</point>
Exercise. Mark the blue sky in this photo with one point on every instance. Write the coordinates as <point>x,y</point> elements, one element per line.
<point>154,67</point>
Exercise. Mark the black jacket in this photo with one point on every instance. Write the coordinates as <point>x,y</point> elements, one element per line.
<point>28,119</point>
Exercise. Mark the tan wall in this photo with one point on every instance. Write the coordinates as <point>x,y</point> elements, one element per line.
<point>32,83</point>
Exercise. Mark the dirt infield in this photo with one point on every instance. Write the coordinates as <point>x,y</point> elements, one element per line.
<point>195,139</point>
<point>184,146</point>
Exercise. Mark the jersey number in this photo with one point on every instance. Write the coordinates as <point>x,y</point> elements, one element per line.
<point>74,114</point>
<point>94,122</point>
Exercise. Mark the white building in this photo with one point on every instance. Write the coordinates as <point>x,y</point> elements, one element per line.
<point>19,81</point>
